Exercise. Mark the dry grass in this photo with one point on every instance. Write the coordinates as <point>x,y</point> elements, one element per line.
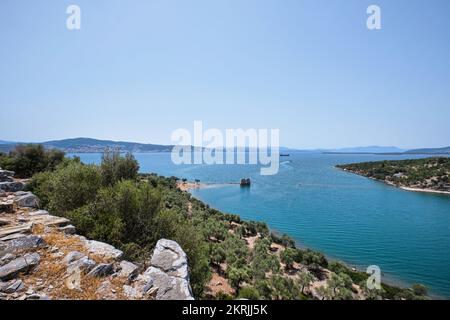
<point>53,271</point>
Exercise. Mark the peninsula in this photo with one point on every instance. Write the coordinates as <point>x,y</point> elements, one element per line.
<point>424,175</point>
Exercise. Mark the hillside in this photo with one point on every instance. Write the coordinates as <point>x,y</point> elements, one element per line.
<point>430,174</point>
<point>370,149</point>
<point>88,145</point>
<point>444,150</point>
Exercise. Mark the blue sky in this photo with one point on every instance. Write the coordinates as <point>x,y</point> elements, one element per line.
<point>137,70</point>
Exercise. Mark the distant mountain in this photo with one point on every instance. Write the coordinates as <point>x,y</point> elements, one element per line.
<point>444,150</point>
<point>88,145</point>
<point>6,142</point>
<point>370,149</point>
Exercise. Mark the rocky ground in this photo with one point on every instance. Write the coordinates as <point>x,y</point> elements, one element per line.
<point>42,257</point>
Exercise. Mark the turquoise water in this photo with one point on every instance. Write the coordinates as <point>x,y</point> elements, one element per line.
<point>351,218</point>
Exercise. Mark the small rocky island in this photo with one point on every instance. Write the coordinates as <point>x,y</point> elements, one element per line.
<point>426,175</point>
<point>245,182</point>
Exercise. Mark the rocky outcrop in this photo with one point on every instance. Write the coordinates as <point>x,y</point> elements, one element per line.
<point>22,264</point>
<point>13,186</point>
<point>27,200</point>
<point>169,271</point>
<point>103,249</point>
<point>7,183</point>
<point>42,258</point>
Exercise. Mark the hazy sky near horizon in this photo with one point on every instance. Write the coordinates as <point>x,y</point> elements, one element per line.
<point>137,70</point>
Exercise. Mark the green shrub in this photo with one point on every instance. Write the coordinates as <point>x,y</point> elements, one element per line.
<point>68,188</point>
<point>419,290</point>
<point>27,160</point>
<point>115,168</point>
<point>249,292</point>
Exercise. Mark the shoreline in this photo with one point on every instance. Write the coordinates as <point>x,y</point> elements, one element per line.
<point>186,186</point>
<point>411,189</point>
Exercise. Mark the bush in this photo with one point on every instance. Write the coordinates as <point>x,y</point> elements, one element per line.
<point>68,188</point>
<point>120,214</point>
<point>262,260</point>
<point>115,168</point>
<point>249,292</point>
<point>288,257</point>
<point>27,160</point>
<point>419,290</point>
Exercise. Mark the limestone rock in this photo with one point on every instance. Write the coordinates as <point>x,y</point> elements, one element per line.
<point>69,229</point>
<point>13,236</point>
<point>26,228</point>
<point>106,290</point>
<point>27,200</point>
<point>103,249</point>
<point>83,265</point>
<point>128,270</point>
<point>50,221</point>
<point>170,258</point>
<point>20,265</point>
<point>169,287</point>
<point>38,213</point>
<point>101,270</point>
<point>26,242</point>
<point>72,256</point>
<point>12,286</point>
<point>11,186</point>
<point>131,292</point>
<point>6,258</point>
<point>6,174</point>
<point>169,272</point>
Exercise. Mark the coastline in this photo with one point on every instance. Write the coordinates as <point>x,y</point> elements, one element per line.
<point>187,186</point>
<point>411,189</point>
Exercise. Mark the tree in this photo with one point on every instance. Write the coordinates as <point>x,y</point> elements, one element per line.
<point>339,286</point>
<point>264,288</point>
<point>419,290</point>
<point>27,160</point>
<point>370,294</point>
<point>262,260</point>
<point>68,188</point>
<point>115,168</point>
<point>218,254</point>
<point>325,292</point>
<point>304,280</point>
<point>288,256</point>
<point>249,292</point>
<point>238,275</point>
<point>284,288</point>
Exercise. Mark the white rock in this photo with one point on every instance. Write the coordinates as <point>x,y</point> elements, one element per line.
<point>128,270</point>
<point>103,249</point>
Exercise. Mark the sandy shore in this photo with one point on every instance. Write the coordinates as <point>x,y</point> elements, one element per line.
<point>186,186</point>
<point>424,190</point>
